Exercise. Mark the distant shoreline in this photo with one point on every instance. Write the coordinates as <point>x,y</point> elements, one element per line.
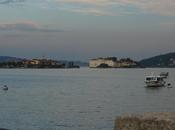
<point>160,61</point>
<point>93,68</point>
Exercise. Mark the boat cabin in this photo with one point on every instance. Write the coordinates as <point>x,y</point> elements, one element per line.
<point>154,78</point>
<point>164,74</point>
<point>154,81</point>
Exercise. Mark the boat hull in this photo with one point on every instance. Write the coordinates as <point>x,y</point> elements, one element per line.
<point>155,84</point>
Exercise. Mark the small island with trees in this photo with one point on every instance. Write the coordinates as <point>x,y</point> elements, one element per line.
<point>36,63</point>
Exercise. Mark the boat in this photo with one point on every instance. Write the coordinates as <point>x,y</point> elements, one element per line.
<point>155,81</point>
<point>164,74</point>
<point>5,88</point>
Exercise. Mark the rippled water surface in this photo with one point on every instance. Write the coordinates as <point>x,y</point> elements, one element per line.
<point>78,99</point>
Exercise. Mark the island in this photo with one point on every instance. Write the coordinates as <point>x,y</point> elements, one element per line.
<point>113,62</point>
<point>36,63</point>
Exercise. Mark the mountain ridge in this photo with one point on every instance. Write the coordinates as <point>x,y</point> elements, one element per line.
<point>10,59</point>
<point>163,60</point>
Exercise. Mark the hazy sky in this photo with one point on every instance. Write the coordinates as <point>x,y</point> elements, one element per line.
<point>84,29</point>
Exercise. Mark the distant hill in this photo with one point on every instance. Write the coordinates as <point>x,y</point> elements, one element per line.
<point>9,59</point>
<point>165,60</point>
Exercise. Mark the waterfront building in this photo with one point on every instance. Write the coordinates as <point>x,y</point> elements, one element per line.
<point>108,62</point>
<point>111,62</point>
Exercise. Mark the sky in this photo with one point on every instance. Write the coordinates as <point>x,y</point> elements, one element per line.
<point>85,29</point>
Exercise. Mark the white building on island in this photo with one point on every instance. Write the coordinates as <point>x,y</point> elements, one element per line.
<point>111,62</point>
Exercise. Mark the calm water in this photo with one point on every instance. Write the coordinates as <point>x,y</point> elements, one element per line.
<point>78,99</point>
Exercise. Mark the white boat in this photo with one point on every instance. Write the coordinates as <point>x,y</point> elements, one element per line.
<point>155,81</point>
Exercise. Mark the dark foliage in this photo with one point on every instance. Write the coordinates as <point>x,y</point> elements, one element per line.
<point>166,60</point>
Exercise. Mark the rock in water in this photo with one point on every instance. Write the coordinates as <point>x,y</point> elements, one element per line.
<point>148,121</point>
<point>5,88</point>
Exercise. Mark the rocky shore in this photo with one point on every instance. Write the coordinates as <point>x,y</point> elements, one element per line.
<point>147,121</point>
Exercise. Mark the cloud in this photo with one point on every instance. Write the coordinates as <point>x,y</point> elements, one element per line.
<point>27,26</point>
<point>96,12</point>
<point>92,2</point>
<point>107,7</point>
<point>10,1</point>
<point>161,7</point>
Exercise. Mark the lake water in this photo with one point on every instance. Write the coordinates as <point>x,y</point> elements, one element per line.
<point>78,99</point>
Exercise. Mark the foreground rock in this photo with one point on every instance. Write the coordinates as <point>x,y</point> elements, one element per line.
<point>148,121</point>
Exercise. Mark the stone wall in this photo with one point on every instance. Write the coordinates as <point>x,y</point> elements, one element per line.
<point>148,121</point>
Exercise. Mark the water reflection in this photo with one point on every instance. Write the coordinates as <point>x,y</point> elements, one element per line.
<point>154,89</point>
